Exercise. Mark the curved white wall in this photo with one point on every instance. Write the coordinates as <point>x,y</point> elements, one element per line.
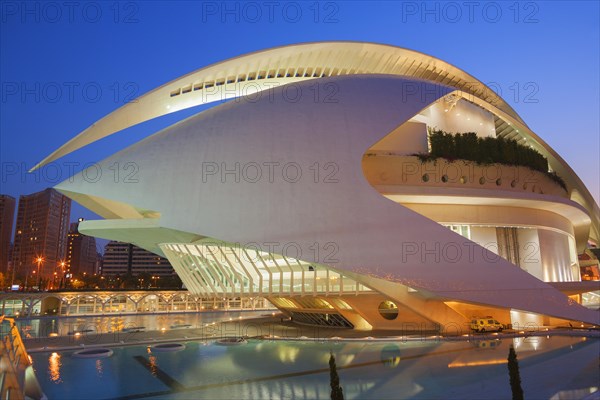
<point>555,257</point>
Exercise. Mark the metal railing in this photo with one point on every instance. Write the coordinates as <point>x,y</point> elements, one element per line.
<point>16,378</point>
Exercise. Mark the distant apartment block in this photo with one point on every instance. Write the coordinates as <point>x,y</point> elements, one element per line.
<point>7,216</point>
<point>123,258</point>
<point>41,233</point>
<point>82,256</point>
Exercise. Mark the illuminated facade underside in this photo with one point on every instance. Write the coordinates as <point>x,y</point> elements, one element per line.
<point>371,248</point>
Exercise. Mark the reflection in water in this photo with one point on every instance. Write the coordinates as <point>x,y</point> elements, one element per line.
<point>344,359</point>
<point>116,324</point>
<point>288,354</point>
<point>54,365</point>
<point>390,355</point>
<point>489,344</point>
<point>549,367</point>
<point>153,362</point>
<point>531,343</point>
<point>99,368</point>
<point>456,364</point>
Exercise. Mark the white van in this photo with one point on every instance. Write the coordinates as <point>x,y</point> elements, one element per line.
<point>487,324</point>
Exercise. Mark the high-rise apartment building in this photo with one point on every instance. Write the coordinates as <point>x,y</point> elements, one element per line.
<point>82,255</point>
<point>7,216</point>
<point>40,243</point>
<point>123,258</point>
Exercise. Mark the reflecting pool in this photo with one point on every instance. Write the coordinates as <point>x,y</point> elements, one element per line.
<point>551,367</point>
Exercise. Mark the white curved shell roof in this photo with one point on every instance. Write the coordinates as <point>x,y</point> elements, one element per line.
<point>264,70</point>
<point>278,66</point>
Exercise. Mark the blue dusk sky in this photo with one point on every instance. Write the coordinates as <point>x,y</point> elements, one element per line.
<point>65,65</point>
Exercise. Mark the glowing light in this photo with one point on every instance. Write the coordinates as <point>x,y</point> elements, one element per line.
<point>288,354</point>
<point>476,363</point>
<point>99,368</point>
<point>54,365</point>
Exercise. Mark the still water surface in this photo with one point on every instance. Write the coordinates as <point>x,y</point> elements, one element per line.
<point>551,367</point>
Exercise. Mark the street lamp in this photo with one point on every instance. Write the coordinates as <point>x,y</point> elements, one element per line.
<point>62,277</point>
<point>39,261</point>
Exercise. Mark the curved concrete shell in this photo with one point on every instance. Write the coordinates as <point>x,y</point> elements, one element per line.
<point>265,70</point>
<point>298,197</point>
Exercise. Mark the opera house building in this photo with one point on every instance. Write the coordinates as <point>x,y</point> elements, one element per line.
<point>353,185</point>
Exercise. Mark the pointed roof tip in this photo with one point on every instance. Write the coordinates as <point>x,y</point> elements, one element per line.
<point>35,167</point>
<point>45,161</point>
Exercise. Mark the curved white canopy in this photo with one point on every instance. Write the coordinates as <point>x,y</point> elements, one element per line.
<point>264,70</point>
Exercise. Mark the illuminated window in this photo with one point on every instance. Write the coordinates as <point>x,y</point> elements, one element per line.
<point>463,230</point>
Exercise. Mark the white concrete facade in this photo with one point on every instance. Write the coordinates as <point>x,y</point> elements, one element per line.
<point>276,196</point>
